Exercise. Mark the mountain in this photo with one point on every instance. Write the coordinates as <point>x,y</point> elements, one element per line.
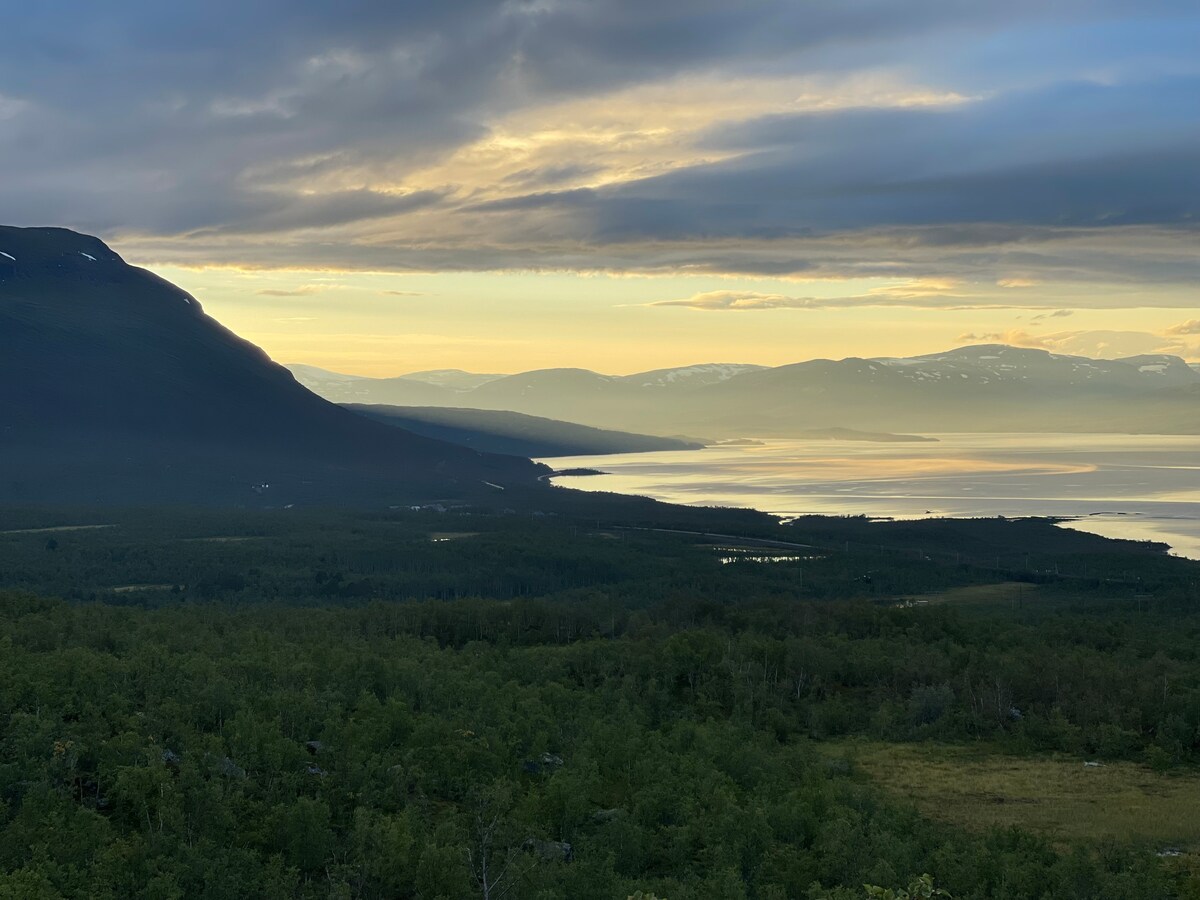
<point>552,393</point>
<point>400,391</point>
<point>116,387</point>
<point>987,387</point>
<point>548,393</point>
<point>977,388</point>
<point>499,431</point>
<point>996,362</point>
<point>542,388</point>
<point>415,387</point>
<point>690,376</point>
<point>454,379</point>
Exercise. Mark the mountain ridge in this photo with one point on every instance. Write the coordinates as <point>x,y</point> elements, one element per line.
<point>517,434</point>
<point>980,387</point>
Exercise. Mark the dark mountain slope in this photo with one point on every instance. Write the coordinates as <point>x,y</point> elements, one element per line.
<point>116,387</point>
<point>498,431</point>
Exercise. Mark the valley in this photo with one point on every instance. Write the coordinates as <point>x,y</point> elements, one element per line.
<point>288,694</point>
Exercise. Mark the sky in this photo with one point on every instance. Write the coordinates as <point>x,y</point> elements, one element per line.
<point>384,186</point>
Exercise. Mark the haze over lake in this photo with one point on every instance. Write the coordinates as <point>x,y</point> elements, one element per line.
<point>1141,487</point>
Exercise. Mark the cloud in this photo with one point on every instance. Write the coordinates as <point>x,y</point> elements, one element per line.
<point>305,291</point>
<point>916,295</point>
<point>10,107</point>
<point>790,138</point>
<point>403,293</point>
<point>277,211</point>
<point>973,165</point>
<point>1056,314</point>
<point>550,174</point>
<point>1113,269</point>
<point>1191,326</point>
<point>745,300</point>
<point>1013,337</point>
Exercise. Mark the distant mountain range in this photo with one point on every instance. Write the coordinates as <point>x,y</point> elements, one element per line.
<point>988,387</point>
<point>115,387</point>
<point>445,387</point>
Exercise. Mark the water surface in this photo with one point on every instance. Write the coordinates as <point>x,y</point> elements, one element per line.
<point>1143,487</point>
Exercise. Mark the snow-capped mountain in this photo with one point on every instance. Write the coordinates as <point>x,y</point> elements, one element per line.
<point>691,376</point>
<point>986,363</point>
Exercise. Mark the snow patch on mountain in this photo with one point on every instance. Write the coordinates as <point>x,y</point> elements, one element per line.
<point>692,376</point>
<point>983,363</point>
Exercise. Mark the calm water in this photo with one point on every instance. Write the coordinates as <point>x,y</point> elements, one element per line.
<point>1129,486</point>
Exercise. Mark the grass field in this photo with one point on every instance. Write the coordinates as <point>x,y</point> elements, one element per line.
<point>440,536</point>
<point>56,529</point>
<point>1057,796</point>
<point>1006,592</point>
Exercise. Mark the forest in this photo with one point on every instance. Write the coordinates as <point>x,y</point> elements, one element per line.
<point>467,703</point>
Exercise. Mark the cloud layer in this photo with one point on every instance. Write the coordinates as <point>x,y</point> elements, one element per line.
<point>1016,146</point>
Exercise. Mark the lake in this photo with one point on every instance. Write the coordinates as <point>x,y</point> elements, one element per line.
<point>1142,487</point>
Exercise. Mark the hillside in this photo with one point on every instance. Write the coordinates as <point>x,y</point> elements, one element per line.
<point>116,387</point>
<point>498,431</point>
